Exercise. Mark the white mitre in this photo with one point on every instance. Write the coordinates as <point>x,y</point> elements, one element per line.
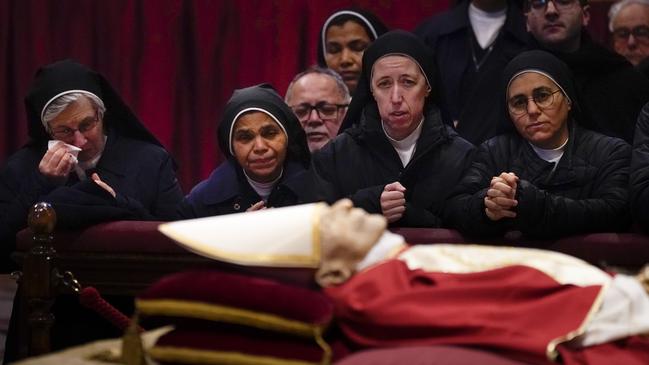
<point>282,237</point>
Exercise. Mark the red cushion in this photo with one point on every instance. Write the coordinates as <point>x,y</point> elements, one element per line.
<point>232,298</point>
<point>232,346</point>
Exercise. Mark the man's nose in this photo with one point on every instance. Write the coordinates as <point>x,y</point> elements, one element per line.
<point>313,116</point>
<point>550,8</point>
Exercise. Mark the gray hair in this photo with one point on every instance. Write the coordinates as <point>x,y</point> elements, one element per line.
<point>615,9</point>
<point>60,103</point>
<point>342,87</point>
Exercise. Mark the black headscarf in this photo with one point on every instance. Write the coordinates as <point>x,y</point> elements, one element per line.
<point>396,42</point>
<point>68,76</point>
<point>370,22</point>
<point>547,64</point>
<point>265,99</point>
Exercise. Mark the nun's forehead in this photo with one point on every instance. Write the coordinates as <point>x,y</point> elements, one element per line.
<point>403,55</point>
<point>249,111</point>
<point>532,71</point>
<point>246,111</point>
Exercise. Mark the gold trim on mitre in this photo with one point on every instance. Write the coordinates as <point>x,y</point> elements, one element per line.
<point>278,237</point>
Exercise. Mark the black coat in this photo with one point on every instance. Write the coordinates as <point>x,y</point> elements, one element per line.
<point>639,180</point>
<point>473,97</point>
<point>610,90</point>
<point>587,191</point>
<point>360,162</point>
<point>227,191</point>
<point>141,173</point>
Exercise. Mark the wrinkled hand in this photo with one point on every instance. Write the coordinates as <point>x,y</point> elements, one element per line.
<point>257,206</point>
<point>393,201</point>
<point>501,196</point>
<point>103,185</point>
<point>57,163</point>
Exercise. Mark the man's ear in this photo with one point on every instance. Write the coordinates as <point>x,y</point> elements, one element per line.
<point>585,15</point>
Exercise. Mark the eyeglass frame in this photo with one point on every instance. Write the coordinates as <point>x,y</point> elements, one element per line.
<point>529,8</point>
<point>629,32</point>
<point>69,132</point>
<point>316,107</point>
<point>527,103</point>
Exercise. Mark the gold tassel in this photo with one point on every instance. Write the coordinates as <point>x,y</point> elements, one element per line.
<point>132,351</point>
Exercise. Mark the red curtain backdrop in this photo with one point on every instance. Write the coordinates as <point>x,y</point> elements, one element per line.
<point>177,62</point>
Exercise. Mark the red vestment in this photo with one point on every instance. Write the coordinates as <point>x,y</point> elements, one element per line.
<point>515,310</point>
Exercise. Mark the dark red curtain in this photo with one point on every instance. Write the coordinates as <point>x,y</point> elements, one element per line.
<point>174,62</point>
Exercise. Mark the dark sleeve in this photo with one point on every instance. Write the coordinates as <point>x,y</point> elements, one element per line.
<point>456,166</point>
<point>86,203</point>
<point>368,198</point>
<point>169,193</point>
<point>416,216</point>
<point>186,210</point>
<point>323,164</point>
<point>637,95</point>
<point>543,214</point>
<point>327,184</point>
<point>17,195</point>
<point>465,209</point>
<point>639,176</point>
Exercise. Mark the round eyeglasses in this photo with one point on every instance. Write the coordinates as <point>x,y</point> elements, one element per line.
<point>543,98</point>
<point>84,127</point>
<point>640,33</point>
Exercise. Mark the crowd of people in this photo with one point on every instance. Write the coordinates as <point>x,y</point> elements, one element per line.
<point>494,116</point>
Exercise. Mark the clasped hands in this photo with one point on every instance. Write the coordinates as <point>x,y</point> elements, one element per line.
<point>501,196</point>
<point>393,201</point>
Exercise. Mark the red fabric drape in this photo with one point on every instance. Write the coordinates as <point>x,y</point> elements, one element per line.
<point>174,62</point>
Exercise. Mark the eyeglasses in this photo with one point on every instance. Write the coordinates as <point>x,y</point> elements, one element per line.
<point>542,5</point>
<point>325,110</point>
<point>640,32</point>
<point>85,126</point>
<point>543,98</point>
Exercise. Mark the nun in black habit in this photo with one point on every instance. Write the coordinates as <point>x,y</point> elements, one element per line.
<point>343,38</point>
<point>398,159</point>
<point>551,177</point>
<point>267,158</point>
<point>121,171</point>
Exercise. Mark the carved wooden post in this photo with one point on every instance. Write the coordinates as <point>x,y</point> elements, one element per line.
<point>39,279</point>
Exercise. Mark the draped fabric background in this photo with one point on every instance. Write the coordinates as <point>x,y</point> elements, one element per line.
<point>176,62</point>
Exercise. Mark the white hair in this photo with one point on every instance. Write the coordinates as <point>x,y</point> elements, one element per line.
<point>60,102</point>
<point>317,70</point>
<point>615,9</point>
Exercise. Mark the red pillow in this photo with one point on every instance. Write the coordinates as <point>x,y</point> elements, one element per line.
<point>231,298</point>
<point>235,346</point>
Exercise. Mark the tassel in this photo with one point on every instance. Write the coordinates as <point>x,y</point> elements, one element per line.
<point>89,297</point>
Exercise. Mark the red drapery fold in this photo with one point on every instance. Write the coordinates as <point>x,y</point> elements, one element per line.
<point>176,62</point>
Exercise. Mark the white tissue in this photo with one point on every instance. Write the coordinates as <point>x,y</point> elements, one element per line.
<point>73,150</point>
